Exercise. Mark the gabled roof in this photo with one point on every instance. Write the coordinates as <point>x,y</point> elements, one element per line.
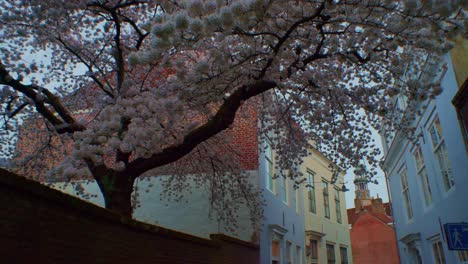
<point>354,215</point>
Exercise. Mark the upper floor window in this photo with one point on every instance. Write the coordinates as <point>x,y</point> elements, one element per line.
<point>311,191</point>
<point>406,194</point>
<point>422,174</point>
<point>337,205</point>
<point>296,202</point>
<point>326,202</point>
<point>440,152</point>
<point>269,167</point>
<point>284,189</point>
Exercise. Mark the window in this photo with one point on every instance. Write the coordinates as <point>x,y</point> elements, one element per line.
<point>344,255</point>
<point>463,255</point>
<point>422,174</point>
<point>326,202</point>
<point>296,194</point>
<point>406,195</point>
<point>311,191</point>
<point>294,198</point>
<point>284,189</point>
<point>298,255</point>
<point>438,251</point>
<point>331,254</point>
<point>269,169</point>
<point>275,252</point>
<point>288,253</point>
<point>337,205</point>
<point>314,251</point>
<point>440,152</point>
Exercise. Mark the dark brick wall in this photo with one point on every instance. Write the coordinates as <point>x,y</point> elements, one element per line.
<point>41,225</point>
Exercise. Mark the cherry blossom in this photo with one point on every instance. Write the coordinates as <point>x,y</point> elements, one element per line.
<point>134,86</point>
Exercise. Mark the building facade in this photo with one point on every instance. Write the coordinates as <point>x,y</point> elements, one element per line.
<point>325,222</point>
<point>428,178</point>
<point>372,234</point>
<point>282,235</point>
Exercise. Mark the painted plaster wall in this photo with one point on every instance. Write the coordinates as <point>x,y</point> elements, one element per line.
<point>334,232</point>
<point>447,206</point>
<point>280,214</point>
<point>190,215</point>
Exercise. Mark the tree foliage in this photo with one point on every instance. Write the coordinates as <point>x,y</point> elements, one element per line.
<point>162,79</point>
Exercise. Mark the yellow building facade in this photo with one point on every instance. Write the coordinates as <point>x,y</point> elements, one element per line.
<point>327,237</point>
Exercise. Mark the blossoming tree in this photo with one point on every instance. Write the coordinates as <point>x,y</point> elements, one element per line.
<point>161,79</point>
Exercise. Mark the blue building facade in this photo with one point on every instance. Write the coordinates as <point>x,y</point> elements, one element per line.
<point>428,177</point>
<point>282,230</point>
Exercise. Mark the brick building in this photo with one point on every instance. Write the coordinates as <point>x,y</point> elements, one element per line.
<point>372,234</point>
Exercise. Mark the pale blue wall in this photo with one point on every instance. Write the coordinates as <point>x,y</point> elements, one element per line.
<point>447,206</point>
<point>273,215</point>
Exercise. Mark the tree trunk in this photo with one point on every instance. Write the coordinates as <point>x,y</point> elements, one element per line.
<point>119,202</point>
<point>117,190</point>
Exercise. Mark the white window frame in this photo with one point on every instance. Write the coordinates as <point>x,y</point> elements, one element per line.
<point>311,198</point>
<point>406,194</point>
<point>270,183</point>
<point>336,194</point>
<point>440,153</point>
<point>326,200</point>
<point>284,185</point>
<point>296,194</point>
<point>422,175</point>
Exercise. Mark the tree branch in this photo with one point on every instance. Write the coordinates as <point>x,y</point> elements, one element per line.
<point>67,125</point>
<point>219,122</point>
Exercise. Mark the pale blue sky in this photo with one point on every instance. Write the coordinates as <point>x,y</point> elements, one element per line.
<point>379,189</point>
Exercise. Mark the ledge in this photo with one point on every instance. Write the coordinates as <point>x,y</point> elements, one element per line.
<point>233,240</point>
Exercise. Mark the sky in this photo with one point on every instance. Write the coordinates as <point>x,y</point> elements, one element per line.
<point>379,189</point>
<point>375,189</point>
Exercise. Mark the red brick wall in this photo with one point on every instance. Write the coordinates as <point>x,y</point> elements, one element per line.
<point>41,225</point>
<point>373,241</point>
<point>245,135</point>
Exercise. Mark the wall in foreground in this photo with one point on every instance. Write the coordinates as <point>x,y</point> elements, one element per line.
<point>41,225</point>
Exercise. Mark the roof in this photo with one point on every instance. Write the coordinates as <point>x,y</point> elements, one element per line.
<point>385,217</point>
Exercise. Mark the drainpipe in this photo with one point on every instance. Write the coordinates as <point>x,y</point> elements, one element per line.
<point>393,216</point>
